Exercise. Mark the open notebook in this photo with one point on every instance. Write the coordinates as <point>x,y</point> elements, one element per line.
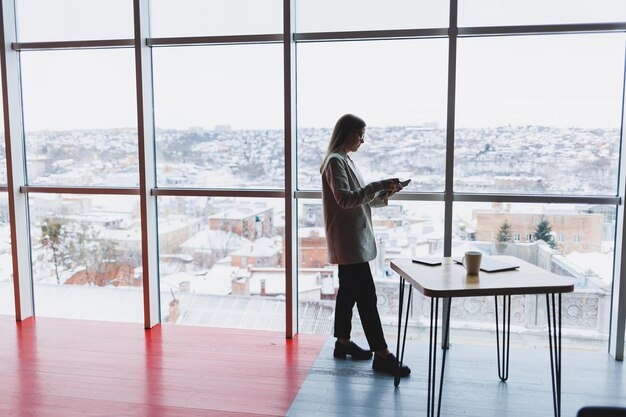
<point>489,264</point>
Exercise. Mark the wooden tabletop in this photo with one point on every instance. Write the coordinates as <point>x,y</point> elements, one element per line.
<point>451,280</point>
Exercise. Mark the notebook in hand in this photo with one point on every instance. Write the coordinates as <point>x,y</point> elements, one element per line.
<point>489,264</point>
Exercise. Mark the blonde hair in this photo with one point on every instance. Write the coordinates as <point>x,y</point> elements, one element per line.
<point>344,126</point>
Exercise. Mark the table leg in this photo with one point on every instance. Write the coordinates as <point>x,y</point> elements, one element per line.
<point>432,356</point>
<point>399,352</point>
<point>554,335</point>
<point>445,342</point>
<point>503,357</point>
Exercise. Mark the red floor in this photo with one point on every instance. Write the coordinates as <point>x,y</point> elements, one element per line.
<point>66,368</point>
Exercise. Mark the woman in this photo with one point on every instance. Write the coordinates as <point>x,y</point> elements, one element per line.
<point>351,242</point>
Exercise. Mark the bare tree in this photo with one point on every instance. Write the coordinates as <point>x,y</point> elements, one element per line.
<point>53,237</point>
<point>91,251</point>
<point>85,238</point>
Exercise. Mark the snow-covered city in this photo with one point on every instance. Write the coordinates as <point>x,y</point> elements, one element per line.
<point>222,259</point>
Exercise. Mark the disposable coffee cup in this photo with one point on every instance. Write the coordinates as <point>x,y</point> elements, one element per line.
<point>471,262</point>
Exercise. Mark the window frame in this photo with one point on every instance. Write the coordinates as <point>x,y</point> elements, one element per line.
<point>18,189</point>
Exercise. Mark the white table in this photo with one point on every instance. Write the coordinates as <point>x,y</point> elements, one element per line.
<point>449,280</point>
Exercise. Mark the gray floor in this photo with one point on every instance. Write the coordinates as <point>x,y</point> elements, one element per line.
<point>471,387</point>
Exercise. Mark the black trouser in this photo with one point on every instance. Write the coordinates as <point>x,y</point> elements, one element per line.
<point>356,285</point>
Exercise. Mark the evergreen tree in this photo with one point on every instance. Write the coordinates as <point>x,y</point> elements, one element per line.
<point>503,237</point>
<point>504,233</point>
<point>544,232</point>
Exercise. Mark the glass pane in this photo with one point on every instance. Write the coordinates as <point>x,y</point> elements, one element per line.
<point>403,230</point>
<point>80,117</point>
<point>221,262</point>
<point>214,17</point>
<point>3,163</point>
<point>219,116</point>
<point>64,20</point>
<point>539,114</point>
<point>347,15</point>
<point>7,301</point>
<point>535,12</point>
<point>3,157</point>
<point>86,257</point>
<point>397,87</point>
<point>576,241</point>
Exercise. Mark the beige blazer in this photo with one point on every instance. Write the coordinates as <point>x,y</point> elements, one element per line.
<point>347,215</point>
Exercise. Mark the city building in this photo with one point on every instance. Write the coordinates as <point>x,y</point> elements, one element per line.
<point>571,231</point>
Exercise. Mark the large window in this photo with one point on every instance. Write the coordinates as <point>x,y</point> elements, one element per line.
<point>398,87</point>
<point>218,112</point>
<point>79,111</point>
<point>536,114</point>
<point>502,123</point>
<point>80,117</point>
<point>539,114</point>
<point>86,257</point>
<point>573,240</point>
<point>403,229</point>
<point>221,262</point>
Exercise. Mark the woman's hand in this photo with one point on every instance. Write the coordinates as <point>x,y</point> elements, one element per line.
<point>392,185</point>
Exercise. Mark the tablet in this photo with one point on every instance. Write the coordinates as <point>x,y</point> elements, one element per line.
<point>427,261</point>
<point>489,264</point>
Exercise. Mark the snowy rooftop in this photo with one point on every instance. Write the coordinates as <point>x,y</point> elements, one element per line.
<point>213,239</point>
<point>261,248</point>
<point>599,263</point>
<point>216,280</point>
<point>238,213</point>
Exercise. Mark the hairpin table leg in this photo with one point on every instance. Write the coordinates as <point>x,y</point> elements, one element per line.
<point>554,335</point>
<point>400,356</point>
<point>503,357</point>
<point>432,357</point>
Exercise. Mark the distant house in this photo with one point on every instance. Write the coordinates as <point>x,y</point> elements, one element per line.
<point>208,246</point>
<point>261,252</point>
<point>249,222</point>
<point>116,274</point>
<point>312,252</point>
<point>313,283</point>
<point>573,231</point>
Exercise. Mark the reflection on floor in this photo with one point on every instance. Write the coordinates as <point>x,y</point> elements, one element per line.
<point>471,388</point>
<point>71,368</point>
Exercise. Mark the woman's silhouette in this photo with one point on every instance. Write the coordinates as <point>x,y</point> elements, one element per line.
<point>351,243</point>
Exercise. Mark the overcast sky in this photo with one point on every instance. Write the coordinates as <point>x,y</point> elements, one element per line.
<point>573,80</point>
